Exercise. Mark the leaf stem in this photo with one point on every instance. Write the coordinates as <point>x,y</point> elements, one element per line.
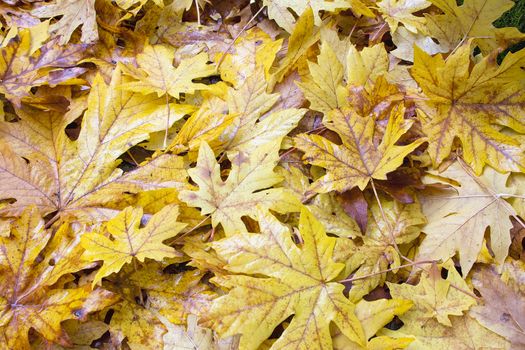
<point>388,270</point>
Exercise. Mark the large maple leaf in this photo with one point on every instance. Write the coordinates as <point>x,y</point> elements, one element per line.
<point>78,177</point>
<point>31,263</point>
<point>279,9</point>
<point>128,241</point>
<point>459,216</point>
<point>434,296</point>
<point>245,188</point>
<point>502,311</point>
<point>73,14</point>
<point>278,279</point>
<point>22,66</point>
<point>256,122</point>
<point>393,224</point>
<point>359,158</point>
<point>472,105</point>
<point>156,73</point>
<point>473,19</point>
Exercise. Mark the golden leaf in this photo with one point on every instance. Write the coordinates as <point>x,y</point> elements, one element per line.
<point>473,19</point>
<point>244,189</point>
<point>74,13</point>
<point>436,297</point>
<point>31,263</point>
<point>458,217</point>
<point>156,74</point>
<point>472,105</point>
<point>359,159</point>
<point>278,279</point>
<point>75,177</point>
<point>128,241</point>
<point>22,67</point>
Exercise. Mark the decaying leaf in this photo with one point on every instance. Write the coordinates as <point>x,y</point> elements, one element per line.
<point>31,296</point>
<point>502,309</point>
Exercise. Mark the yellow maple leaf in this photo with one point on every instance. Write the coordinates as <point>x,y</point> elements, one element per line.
<point>359,159</point>
<point>472,20</point>
<point>472,105</point>
<point>174,296</point>
<point>324,87</point>
<point>156,74</point>
<point>458,217</point>
<point>244,189</point>
<point>332,81</point>
<point>128,241</point>
<point>278,10</point>
<point>278,279</point>
<point>138,326</point>
<point>74,13</point>
<point>254,49</point>
<point>466,334</point>
<point>403,225</point>
<point>434,296</point>
<point>72,176</point>
<point>250,103</point>
<point>23,66</point>
<point>401,11</point>
<point>31,263</point>
<point>374,315</point>
<point>303,36</point>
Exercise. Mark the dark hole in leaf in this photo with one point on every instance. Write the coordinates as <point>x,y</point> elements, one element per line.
<point>395,324</point>
<point>173,269</point>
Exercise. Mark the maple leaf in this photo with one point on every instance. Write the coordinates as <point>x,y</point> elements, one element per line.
<point>252,51</point>
<point>70,177</point>
<point>472,105</point>
<point>303,36</point>
<point>374,315</point>
<point>74,14</point>
<point>324,88</point>
<point>174,296</point>
<point>137,326</point>
<point>401,11</point>
<point>458,217</point>
<point>278,10</point>
<point>23,67</point>
<point>244,189</point>
<point>473,19</point>
<point>128,241</point>
<point>296,281</point>
<point>359,159</point>
<point>256,123</point>
<point>502,309</point>
<point>434,296</point>
<point>156,74</point>
<point>31,263</point>
<point>405,42</point>
<point>403,225</point>
<point>466,334</point>
<point>186,338</point>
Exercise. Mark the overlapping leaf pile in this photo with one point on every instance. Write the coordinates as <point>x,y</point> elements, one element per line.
<point>276,174</point>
